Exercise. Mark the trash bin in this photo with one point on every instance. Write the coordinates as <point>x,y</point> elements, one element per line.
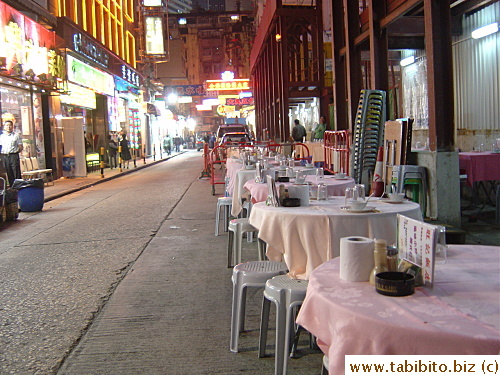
<point>30,194</point>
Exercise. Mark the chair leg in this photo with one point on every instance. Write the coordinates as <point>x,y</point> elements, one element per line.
<point>230,245</point>
<point>217,219</point>
<point>261,248</point>
<point>264,325</point>
<point>243,306</point>
<point>235,314</point>
<point>238,245</point>
<point>282,338</point>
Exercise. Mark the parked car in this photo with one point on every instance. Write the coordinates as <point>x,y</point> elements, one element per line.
<point>235,139</point>
<point>231,128</point>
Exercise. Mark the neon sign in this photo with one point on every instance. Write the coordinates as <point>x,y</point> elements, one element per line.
<point>235,84</point>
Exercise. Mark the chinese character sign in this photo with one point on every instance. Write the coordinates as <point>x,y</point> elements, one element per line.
<point>417,242</point>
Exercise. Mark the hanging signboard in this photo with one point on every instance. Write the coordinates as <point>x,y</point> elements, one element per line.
<point>85,75</point>
<point>154,35</point>
<point>29,49</point>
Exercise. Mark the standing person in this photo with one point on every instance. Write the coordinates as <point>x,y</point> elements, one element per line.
<point>319,132</point>
<point>123,142</point>
<point>11,145</point>
<point>177,143</point>
<point>167,144</point>
<point>112,150</point>
<point>298,131</point>
<point>211,141</point>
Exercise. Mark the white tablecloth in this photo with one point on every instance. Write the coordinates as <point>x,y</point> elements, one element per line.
<point>460,316</point>
<point>334,186</point>
<point>305,237</point>
<point>241,176</point>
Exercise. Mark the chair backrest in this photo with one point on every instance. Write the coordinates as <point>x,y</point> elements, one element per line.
<point>34,163</point>
<point>29,164</point>
<point>22,163</point>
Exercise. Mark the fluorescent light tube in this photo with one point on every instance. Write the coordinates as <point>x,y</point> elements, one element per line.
<point>485,30</point>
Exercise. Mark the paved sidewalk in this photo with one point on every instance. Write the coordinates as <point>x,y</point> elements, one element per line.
<point>65,186</point>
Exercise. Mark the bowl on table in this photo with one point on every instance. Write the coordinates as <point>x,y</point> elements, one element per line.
<point>358,205</point>
<point>396,197</point>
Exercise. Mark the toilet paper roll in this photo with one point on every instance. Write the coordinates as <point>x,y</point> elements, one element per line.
<point>356,258</point>
<point>301,192</point>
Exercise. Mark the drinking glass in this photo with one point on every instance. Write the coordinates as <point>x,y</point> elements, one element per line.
<point>320,174</point>
<point>322,192</point>
<point>358,192</point>
<point>348,196</point>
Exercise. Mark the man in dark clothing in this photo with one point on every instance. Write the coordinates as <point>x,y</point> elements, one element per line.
<point>298,132</point>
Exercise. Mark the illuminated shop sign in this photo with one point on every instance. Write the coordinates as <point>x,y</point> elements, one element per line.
<point>187,90</point>
<point>130,75</point>
<point>152,3</point>
<point>154,36</point>
<point>28,49</point>
<point>235,84</point>
<point>87,76</point>
<point>80,96</point>
<point>242,101</point>
<point>91,50</point>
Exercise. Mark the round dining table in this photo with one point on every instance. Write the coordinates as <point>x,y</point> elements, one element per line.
<point>306,237</point>
<point>459,316</point>
<point>335,186</point>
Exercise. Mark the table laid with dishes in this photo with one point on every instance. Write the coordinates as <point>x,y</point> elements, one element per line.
<point>335,186</point>
<point>239,172</point>
<point>458,315</point>
<point>307,236</point>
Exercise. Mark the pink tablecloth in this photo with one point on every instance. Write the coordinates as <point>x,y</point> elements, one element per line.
<point>335,187</point>
<point>480,166</point>
<point>461,315</point>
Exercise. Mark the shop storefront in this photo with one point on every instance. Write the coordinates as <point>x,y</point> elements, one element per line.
<point>31,67</point>
<point>107,102</point>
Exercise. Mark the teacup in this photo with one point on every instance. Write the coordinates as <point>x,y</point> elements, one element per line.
<point>300,180</point>
<point>358,205</point>
<point>340,175</point>
<point>396,197</point>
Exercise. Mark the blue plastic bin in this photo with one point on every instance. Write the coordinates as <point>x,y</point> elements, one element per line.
<point>30,195</point>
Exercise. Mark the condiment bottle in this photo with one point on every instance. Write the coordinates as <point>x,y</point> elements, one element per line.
<point>392,258</point>
<point>380,258</point>
<point>281,193</point>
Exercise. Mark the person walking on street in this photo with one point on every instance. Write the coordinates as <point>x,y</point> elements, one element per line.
<point>319,131</point>
<point>112,150</point>
<point>298,132</point>
<point>11,145</point>
<point>125,152</point>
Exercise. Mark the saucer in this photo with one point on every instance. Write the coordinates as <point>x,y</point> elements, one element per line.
<point>387,200</point>
<point>342,178</point>
<point>366,209</point>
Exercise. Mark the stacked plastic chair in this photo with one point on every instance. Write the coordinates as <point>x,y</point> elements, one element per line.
<point>368,134</point>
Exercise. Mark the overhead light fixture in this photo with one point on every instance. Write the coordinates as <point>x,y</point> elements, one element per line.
<point>407,61</point>
<point>485,30</point>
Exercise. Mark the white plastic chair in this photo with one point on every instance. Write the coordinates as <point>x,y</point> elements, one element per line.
<point>286,293</point>
<point>224,203</point>
<point>237,228</point>
<point>249,274</point>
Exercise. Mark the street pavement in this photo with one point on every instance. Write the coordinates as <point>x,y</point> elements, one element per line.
<point>123,275</point>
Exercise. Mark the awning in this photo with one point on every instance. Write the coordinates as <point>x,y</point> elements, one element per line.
<point>153,110</point>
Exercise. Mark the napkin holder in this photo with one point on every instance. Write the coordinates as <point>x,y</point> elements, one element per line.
<point>291,202</point>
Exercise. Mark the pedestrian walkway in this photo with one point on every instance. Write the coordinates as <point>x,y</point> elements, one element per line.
<point>63,186</point>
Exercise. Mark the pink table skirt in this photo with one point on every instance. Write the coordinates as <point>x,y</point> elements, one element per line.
<point>335,187</point>
<point>480,166</point>
<point>461,315</point>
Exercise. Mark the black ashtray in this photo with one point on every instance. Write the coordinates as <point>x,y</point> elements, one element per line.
<point>283,179</point>
<point>291,202</point>
<point>395,284</point>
